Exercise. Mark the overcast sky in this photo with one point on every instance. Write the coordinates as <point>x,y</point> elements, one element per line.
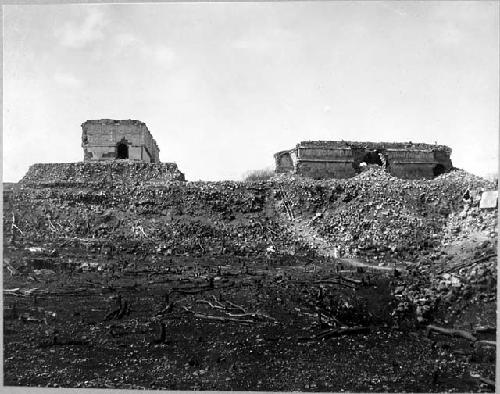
<point>223,86</point>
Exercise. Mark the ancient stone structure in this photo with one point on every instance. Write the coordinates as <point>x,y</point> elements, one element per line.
<point>108,139</point>
<point>344,159</point>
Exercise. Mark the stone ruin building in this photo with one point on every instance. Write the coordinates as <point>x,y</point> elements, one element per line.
<point>121,151</point>
<point>344,159</point>
<point>108,139</point>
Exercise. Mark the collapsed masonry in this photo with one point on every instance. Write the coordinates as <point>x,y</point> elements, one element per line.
<point>108,139</point>
<point>344,159</point>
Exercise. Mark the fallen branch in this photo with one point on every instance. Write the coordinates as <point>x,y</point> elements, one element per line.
<point>487,343</point>
<point>70,342</point>
<point>14,226</point>
<point>16,291</point>
<point>331,282</point>
<point>218,318</point>
<point>329,319</point>
<point>342,331</point>
<point>26,318</point>
<point>210,304</point>
<point>485,330</point>
<point>51,226</point>
<point>216,301</point>
<point>351,280</point>
<point>236,306</point>
<point>140,229</point>
<point>219,306</point>
<point>254,315</point>
<point>23,292</point>
<point>489,382</point>
<point>467,263</point>
<point>191,291</point>
<point>337,333</point>
<point>271,231</point>
<point>168,309</point>
<point>451,332</point>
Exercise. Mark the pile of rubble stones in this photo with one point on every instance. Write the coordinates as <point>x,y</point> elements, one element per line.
<point>436,226</point>
<point>172,217</point>
<point>100,173</point>
<point>383,218</point>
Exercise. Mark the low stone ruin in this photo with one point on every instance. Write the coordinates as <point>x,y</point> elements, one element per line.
<point>345,159</point>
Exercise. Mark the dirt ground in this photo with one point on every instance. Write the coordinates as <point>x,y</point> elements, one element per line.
<point>268,336</point>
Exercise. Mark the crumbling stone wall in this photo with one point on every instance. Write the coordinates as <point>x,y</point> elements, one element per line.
<point>344,159</point>
<point>108,139</point>
<point>91,173</point>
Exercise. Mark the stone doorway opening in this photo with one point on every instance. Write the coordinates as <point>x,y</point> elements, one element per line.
<point>122,150</point>
<point>372,157</point>
<point>438,170</point>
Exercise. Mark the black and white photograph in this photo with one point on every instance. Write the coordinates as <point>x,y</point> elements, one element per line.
<point>260,196</point>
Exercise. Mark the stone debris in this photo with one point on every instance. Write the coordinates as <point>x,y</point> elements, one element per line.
<point>435,227</point>
<point>384,218</point>
<point>96,174</point>
<point>489,199</point>
<point>403,253</point>
<point>374,216</point>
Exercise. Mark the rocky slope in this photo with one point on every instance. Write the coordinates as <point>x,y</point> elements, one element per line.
<point>374,251</point>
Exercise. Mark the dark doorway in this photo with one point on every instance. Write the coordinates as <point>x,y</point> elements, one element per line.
<point>122,150</point>
<point>367,158</point>
<point>438,169</point>
<point>372,157</point>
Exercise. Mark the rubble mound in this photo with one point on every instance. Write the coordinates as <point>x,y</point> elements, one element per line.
<point>377,216</point>
<point>101,173</point>
<point>373,215</point>
<point>374,173</point>
<point>232,253</point>
<point>435,228</point>
<point>142,213</point>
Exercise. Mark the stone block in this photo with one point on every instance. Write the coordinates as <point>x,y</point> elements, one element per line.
<point>489,199</point>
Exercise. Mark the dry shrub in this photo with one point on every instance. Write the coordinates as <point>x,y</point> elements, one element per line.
<point>258,175</point>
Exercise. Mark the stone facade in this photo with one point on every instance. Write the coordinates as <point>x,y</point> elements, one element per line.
<point>344,159</point>
<point>108,139</point>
